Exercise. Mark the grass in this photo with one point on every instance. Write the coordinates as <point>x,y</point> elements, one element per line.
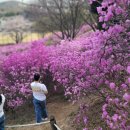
<point>6,38</point>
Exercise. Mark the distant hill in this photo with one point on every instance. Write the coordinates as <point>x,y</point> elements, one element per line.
<point>10,7</point>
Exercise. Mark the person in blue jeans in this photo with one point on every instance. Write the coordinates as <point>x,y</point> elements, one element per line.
<point>2,116</point>
<point>39,99</point>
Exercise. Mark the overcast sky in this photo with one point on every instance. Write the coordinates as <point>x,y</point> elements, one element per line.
<point>27,1</point>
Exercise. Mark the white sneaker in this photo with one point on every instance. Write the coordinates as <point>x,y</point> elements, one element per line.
<point>44,119</point>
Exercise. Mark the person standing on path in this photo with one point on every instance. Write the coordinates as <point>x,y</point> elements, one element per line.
<point>39,99</point>
<point>2,116</point>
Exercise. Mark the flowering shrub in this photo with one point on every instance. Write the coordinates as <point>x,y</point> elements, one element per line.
<point>88,63</point>
<point>18,70</point>
<point>98,62</point>
<point>9,49</point>
<point>73,65</point>
<point>101,59</point>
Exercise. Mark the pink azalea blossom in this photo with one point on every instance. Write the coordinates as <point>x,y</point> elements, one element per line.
<point>126,97</point>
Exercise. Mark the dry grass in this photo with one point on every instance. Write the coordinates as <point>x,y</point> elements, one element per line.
<point>6,38</point>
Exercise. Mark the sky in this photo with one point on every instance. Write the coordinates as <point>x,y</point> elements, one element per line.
<point>26,1</point>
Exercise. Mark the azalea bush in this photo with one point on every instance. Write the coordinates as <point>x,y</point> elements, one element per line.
<point>100,62</point>
<point>95,63</point>
<point>17,73</point>
<point>116,19</point>
<point>74,66</point>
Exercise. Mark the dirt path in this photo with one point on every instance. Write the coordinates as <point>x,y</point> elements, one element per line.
<point>58,107</point>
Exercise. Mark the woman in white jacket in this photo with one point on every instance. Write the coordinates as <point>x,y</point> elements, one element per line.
<point>2,117</point>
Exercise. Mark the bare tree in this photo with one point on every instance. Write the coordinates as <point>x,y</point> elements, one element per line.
<point>65,16</point>
<point>16,28</point>
<point>17,36</point>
